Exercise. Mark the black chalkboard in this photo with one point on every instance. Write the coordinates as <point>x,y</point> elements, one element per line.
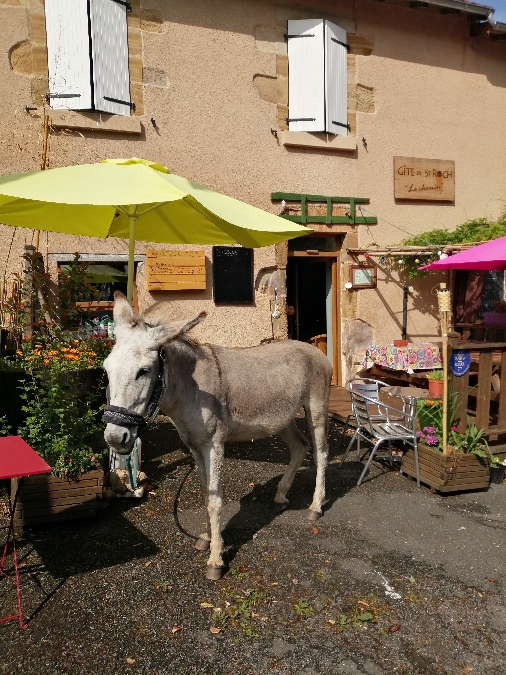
<point>232,274</point>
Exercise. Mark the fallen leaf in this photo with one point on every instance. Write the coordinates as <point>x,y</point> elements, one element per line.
<point>147,564</point>
<point>492,580</point>
<point>480,594</point>
<point>215,630</point>
<point>176,629</point>
<point>314,530</point>
<point>242,570</point>
<point>206,604</point>
<point>394,627</point>
<point>331,622</point>
<point>130,660</point>
<point>362,603</point>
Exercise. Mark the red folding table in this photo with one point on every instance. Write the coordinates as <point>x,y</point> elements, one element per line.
<point>17,459</point>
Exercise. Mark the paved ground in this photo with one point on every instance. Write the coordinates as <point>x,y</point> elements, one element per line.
<point>392,580</point>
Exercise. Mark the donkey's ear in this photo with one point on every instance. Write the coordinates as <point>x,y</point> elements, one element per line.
<point>175,333</point>
<point>122,311</point>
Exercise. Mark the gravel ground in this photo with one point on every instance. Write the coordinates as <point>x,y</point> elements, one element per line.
<point>391,580</point>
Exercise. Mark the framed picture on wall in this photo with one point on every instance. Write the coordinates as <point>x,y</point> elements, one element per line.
<point>363,276</point>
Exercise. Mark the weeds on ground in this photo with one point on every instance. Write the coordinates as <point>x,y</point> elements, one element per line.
<point>238,611</point>
<point>239,573</point>
<point>163,586</point>
<point>361,612</point>
<point>303,609</point>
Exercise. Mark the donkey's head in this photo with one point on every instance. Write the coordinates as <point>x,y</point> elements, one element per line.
<point>135,368</point>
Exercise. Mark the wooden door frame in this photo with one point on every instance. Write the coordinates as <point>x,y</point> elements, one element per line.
<point>335,258</point>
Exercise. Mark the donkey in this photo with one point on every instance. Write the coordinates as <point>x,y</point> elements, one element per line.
<point>213,395</point>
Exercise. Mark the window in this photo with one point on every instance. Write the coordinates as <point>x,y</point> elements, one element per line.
<point>87,47</point>
<point>232,274</point>
<point>317,77</point>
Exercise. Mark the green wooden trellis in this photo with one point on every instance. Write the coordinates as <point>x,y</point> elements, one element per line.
<point>328,218</point>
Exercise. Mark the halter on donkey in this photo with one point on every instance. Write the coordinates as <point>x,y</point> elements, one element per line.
<point>214,395</point>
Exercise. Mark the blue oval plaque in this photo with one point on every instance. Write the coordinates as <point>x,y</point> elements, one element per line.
<point>460,362</point>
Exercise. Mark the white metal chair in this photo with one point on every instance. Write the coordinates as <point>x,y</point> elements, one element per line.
<point>390,424</point>
<point>368,387</point>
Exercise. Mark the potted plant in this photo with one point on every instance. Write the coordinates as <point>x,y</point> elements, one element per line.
<point>497,469</point>
<point>436,383</point>
<point>467,464</point>
<point>62,388</point>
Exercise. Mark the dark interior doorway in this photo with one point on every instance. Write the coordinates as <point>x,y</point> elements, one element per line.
<point>307,293</point>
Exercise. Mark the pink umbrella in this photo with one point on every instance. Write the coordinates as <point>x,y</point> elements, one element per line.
<point>488,256</point>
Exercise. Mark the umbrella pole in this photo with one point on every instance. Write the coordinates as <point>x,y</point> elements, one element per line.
<point>43,163</point>
<point>131,257</point>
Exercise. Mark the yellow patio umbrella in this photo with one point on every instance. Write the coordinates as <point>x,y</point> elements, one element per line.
<point>137,200</point>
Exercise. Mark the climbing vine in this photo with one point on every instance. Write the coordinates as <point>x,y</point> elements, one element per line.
<point>475,231</point>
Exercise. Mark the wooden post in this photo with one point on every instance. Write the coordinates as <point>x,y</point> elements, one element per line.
<point>443,298</point>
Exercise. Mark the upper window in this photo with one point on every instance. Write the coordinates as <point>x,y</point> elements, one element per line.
<point>317,77</point>
<point>87,47</point>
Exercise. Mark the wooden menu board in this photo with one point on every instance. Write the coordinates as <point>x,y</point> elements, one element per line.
<point>427,179</point>
<point>175,270</point>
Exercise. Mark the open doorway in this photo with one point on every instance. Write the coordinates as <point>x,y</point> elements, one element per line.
<point>307,290</point>
<point>313,292</point>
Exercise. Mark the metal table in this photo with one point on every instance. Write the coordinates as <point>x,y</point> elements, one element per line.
<point>17,460</point>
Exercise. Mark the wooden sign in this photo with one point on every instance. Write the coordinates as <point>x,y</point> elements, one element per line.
<point>175,270</point>
<point>428,179</point>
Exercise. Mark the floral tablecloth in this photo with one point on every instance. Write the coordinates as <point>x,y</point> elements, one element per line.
<point>425,356</point>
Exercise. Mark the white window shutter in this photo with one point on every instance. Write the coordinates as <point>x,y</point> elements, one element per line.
<point>109,48</point>
<point>68,49</point>
<point>336,79</point>
<point>306,75</point>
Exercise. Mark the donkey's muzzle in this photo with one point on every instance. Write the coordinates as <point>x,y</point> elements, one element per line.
<point>121,439</point>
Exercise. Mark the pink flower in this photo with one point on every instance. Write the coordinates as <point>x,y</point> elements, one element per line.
<point>93,459</point>
<point>455,428</point>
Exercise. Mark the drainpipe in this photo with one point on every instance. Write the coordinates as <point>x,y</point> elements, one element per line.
<point>491,20</point>
<point>404,311</point>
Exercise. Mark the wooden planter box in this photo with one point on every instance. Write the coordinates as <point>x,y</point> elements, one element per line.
<point>447,473</point>
<point>47,499</point>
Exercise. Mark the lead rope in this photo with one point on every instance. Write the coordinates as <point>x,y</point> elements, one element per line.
<point>132,475</point>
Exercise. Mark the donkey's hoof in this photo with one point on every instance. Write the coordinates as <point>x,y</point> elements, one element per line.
<point>313,515</point>
<point>202,544</point>
<point>214,573</point>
